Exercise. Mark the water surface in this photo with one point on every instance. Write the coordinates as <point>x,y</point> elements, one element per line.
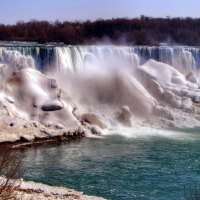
<point>137,166</point>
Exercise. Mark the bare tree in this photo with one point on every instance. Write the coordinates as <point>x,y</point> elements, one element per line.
<point>9,170</point>
<point>140,31</point>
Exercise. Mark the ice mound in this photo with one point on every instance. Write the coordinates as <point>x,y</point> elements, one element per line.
<point>171,79</point>
<point>104,95</point>
<point>32,93</point>
<point>133,94</point>
<point>167,76</point>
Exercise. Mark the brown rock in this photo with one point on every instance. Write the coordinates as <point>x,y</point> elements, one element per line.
<point>173,99</point>
<point>163,112</point>
<point>96,131</point>
<point>155,89</point>
<point>92,118</point>
<point>124,116</point>
<point>192,78</point>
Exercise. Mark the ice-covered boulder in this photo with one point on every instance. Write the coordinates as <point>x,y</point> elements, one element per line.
<point>171,80</point>
<point>155,89</point>
<point>172,99</point>
<point>133,94</point>
<point>124,116</point>
<point>167,76</point>
<point>94,119</point>
<point>35,95</point>
<point>192,78</point>
<point>187,105</point>
<point>52,106</point>
<point>163,112</point>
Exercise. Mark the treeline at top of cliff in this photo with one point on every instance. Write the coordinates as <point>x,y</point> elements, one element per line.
<point>136,31</point>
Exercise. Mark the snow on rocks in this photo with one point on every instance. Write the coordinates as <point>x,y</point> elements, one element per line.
<point>28,190</point>
<point>172,99</point>
<point>177,89</point>
<point>163,112</point>
<point>192,78</point>
<point>167,76</point>
<point>133,94</point>
<point>28,96</point>
<point>155,89</point>
<point>187,105</point>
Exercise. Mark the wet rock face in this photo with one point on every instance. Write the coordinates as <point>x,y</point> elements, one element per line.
<point>96,130</point>
<point>155,89</point>
<point>172,99</point>
<point>192,78</point>
<point>2,74</point>
<point>124,116</point>
<point>94,119</point>
<point>196,100</point>
<point>54,84</point>
<point>187,105</point>
<point>163,112</point>
<point>176,101</point>
<point>52,106</point>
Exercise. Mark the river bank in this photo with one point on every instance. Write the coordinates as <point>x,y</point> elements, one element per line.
<point>129,164</point>
<point>31,190</point>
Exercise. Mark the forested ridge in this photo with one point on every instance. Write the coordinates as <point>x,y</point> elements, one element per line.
<point>137,31</point>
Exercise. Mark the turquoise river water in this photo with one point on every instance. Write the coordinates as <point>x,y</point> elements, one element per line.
<point>159,164</point>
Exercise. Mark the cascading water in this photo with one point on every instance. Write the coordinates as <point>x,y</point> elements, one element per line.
<point>105,88</point>
<point>109,59</point>
<point>104,79</point>
<point>183,58</point>
<point>73,57</point>
<point>42,56</point>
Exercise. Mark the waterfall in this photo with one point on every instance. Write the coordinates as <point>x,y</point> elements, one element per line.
<point>108,80</point>
<point>74,58</point>
<point>43,56</point>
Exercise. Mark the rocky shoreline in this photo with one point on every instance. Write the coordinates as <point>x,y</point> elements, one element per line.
<point>28,190</point>
<point>60,106</point>
<point>60,139</point>
<point>17,132</point>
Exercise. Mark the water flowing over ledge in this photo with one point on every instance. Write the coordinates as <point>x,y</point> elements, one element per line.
<point>74,56</point>
<point>49,91</point>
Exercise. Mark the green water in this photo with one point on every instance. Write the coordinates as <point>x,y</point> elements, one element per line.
<point>149,166</point>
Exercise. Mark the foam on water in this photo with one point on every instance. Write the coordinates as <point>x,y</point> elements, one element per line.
<point>105,79</point>
<point>102,80</point>
<point>141,131</point>
<point>117,167</point>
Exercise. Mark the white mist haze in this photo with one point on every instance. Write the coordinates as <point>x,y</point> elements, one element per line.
<point>106,85</point>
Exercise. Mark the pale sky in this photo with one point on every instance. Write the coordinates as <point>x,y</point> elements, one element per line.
<point>51,10</point>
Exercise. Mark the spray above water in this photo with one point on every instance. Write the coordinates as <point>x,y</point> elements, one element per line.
<point>102,87</point>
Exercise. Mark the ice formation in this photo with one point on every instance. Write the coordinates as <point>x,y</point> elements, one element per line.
<point>96,87</point>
